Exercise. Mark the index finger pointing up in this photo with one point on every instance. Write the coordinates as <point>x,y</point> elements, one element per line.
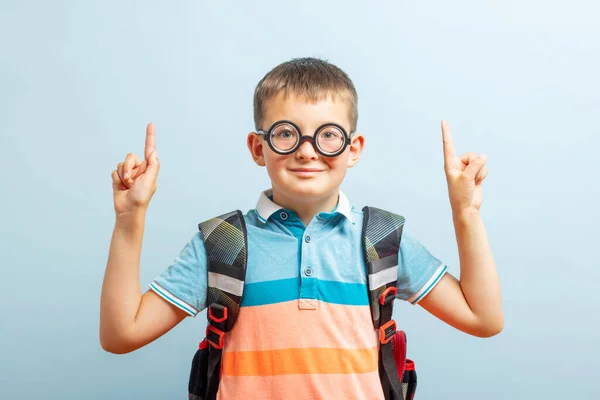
<point>150,141</point>
<point>449,152</point>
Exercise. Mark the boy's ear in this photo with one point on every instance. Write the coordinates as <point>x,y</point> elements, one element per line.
<point>255,145</point>
<point>356,147</point>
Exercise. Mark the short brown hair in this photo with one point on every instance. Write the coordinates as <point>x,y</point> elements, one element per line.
<point>308,77</point>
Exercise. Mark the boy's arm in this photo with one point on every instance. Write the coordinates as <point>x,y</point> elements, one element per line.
<point>472,304</point>
<point>129,320</point>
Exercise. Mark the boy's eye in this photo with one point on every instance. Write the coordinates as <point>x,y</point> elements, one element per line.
<point>284,131</point>
<point>285,135</point>
<point>330,135</point>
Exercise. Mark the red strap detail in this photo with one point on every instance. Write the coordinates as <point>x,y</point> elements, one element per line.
<point>211,316</point>
<point>219,344</point>
<point>384,295</point>
<point>399,344</point>
<point>383,337</point>
<point>203,344</point>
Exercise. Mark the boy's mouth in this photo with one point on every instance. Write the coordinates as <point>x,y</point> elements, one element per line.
<point>306,169</point>
<point>307,172</point>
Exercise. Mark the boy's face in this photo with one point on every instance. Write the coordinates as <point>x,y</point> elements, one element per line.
<point>305,172</point>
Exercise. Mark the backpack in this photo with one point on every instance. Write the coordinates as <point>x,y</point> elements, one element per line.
<point>226,245</point>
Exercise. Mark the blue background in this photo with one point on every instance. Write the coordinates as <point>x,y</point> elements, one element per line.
<point>517,81</point>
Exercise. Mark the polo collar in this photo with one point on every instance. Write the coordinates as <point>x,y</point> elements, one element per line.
<point>265,207</point>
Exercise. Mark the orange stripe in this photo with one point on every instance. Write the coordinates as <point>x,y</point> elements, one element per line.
<point>331,386</point>
<point>284,326</point>
<point>300,361</point>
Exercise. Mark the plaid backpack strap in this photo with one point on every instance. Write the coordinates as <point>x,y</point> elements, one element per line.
<point>382,232</point>
<point>226,242</point>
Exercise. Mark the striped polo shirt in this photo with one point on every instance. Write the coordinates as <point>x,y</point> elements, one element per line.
<point>304,329</point>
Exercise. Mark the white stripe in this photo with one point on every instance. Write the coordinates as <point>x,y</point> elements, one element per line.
<point>428,285</point>
<point>165,294</point>
<point>383,277</point>
<point>226,283</point>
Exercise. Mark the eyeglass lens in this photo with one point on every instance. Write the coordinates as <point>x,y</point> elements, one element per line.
<point>329,138</point>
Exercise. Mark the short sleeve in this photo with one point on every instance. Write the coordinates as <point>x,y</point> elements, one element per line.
<point>184,282</point>
<point>418,270</point>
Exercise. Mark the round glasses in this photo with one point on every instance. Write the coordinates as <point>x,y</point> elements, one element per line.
<point>284,137</point>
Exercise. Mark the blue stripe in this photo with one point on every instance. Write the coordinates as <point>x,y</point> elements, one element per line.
<point>279,291</point>
<point>270,292</point>
<point>172,300</point>
<point>431,285</point>
<point>350,294</point>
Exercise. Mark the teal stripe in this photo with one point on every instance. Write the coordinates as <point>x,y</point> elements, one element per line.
<point>350,294</point>
<point>270,292</point>
<point>431,285</point>
<point>172,300</point>
<point>279,291</point>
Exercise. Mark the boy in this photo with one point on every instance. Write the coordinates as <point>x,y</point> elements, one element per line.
<point>305,296</point>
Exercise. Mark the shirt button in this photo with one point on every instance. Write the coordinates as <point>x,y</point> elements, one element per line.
<point>283,215</point>
<point>308,271</point>
<point>307,239</point>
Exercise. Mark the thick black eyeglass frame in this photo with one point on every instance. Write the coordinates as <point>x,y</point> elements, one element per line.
<point>268,135</point>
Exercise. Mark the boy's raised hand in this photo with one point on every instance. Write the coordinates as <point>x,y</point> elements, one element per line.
<point>464,175</point>
<point>135,181</point>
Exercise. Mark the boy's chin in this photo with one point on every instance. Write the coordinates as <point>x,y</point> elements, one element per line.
<point>310,189</point>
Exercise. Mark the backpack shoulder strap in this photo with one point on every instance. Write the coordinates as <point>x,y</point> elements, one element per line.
<point>381,236</point>
<point>226,242</point>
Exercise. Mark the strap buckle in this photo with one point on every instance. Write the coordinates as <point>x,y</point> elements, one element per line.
<point>215,337</point>
<point>387,331</point>
<point>388,295</point>
<point>218,308</point>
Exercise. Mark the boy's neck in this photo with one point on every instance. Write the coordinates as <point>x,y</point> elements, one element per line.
<point>305,207</point>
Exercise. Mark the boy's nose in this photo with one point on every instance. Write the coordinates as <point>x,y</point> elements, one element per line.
<point>307,151</point>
